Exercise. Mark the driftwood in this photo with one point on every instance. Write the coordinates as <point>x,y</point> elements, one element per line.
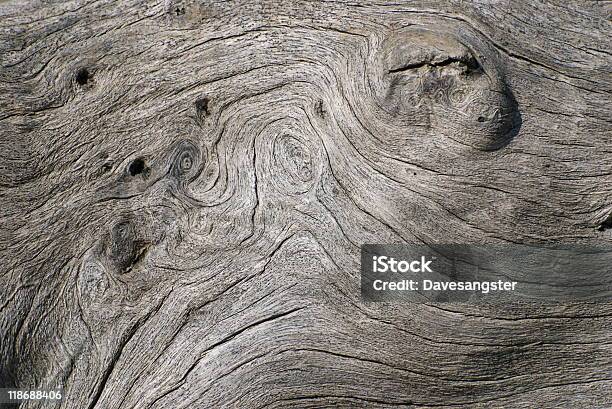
<point>185,187</point>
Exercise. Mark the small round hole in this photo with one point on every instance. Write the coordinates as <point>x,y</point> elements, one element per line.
<point>202,105</point>
<point>82,76</point>
<point>136,167</point>
<point>481,119</point>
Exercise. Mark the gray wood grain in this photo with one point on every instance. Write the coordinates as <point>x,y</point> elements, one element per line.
<point>184,187</point>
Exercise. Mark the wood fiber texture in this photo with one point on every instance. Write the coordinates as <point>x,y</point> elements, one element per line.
<point>185,187</point>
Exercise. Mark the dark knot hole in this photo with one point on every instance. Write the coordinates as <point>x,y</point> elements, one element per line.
<point>202,105</point>
<point>137,167</point>
<point>83,76</point>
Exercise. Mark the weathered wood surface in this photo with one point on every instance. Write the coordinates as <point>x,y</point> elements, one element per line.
<point>184,187</point>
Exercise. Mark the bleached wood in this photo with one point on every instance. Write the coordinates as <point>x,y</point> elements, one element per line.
<point>184,187</point>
